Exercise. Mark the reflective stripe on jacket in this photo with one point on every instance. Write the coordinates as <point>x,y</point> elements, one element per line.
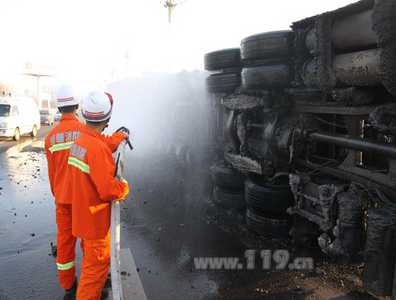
<point>91,169</point>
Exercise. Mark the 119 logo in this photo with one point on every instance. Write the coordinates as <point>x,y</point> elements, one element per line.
<point>281,259</point>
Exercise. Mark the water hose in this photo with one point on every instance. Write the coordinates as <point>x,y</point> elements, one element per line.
<point>115,257</point>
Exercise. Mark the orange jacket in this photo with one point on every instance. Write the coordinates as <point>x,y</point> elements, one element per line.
<point>91,168</point>
<point>57,145</point>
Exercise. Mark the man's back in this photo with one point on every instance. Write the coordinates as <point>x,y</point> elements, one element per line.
<point>91,168</point>
<point>57,145</point>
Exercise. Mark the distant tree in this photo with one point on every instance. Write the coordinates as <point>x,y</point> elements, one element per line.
<point>6,89</point>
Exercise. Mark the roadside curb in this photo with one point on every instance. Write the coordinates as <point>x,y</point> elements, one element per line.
<point>131,285</point>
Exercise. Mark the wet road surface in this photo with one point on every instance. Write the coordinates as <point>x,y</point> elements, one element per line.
<point>27,221</point>
<point>170,220</point>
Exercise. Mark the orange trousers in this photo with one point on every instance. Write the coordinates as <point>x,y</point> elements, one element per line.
<point>94,268</point>
<point>66,245</point>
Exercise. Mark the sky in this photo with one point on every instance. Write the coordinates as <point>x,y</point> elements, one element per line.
<point>85,41</point>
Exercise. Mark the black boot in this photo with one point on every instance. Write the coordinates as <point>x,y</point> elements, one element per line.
<point>105,294</point>
<point>73,289</point>
<point>107,283</point>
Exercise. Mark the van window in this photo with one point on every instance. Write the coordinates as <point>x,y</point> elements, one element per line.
<point>5,110</point>
<point>14,111</point>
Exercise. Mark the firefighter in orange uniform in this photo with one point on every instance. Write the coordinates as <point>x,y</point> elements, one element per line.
<point>91,170</point>
<point>57,146</point>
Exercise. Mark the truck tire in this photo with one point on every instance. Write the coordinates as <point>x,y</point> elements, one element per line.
<point>17,134</point>
<point>34,131</point>
<point>227,178</point>
<point>267,45</point>
<point>223,83</point>
<point>223,59</point>
<point>267,62</point>
<point>268,199</point>
<point>268,226</point>
<point>227,198</point>
<point>267,77</point>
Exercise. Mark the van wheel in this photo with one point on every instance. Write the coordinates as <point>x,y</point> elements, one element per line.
<point>34,131</point>
<point>17,134</point>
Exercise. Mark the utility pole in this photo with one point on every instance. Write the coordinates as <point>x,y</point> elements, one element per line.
<point>126,56</point>
<point>170,5</point>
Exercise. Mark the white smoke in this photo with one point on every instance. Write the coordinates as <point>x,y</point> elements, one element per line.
<point>162,111</point>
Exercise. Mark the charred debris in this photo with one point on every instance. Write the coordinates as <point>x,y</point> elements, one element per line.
<point>307,117</point>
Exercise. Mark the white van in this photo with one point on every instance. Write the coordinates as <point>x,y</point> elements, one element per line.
<point>18,115</point>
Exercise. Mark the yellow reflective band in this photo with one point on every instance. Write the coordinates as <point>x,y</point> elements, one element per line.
<point>67,266</point>
<point>61,146</point>
<point>78,164</point>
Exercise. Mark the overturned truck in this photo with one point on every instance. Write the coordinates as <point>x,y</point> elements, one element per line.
<point>307,119</point>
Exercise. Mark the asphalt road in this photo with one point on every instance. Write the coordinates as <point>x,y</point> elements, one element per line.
<point>27,221</point>
<point>171,226</point>
<point>6,143</point>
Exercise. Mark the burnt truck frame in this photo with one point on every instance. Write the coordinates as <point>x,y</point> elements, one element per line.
<point>315,107</point>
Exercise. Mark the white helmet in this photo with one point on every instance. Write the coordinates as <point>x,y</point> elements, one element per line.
<point>97,106</point>
<point>65,96</point>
